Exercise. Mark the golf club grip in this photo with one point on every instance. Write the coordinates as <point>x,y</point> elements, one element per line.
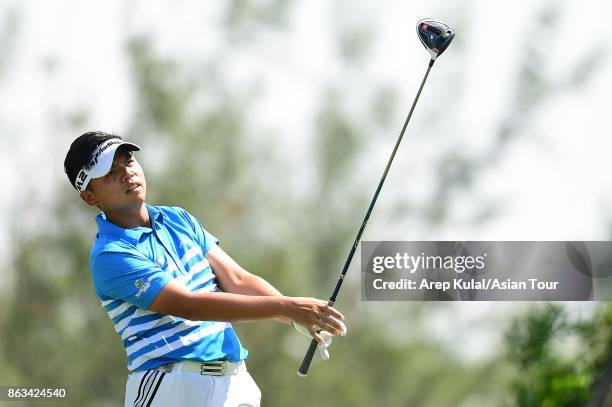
<point>303,370</point>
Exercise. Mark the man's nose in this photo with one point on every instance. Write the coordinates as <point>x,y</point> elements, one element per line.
<point>126,172</point>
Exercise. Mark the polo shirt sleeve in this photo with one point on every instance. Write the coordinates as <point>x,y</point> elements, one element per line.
<point>129,277</point>
<point>203,237</point>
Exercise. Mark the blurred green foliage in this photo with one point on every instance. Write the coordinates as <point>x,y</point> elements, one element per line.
<point>560,361</point>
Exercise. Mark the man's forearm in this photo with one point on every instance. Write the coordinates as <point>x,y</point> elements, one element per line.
<point>232,278</point>
<point>252,284</point>
<point>232,307</point>
<point>175,299</point>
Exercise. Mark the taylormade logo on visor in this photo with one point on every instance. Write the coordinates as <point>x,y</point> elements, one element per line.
<point>100,162</point>
<point>101,149</point>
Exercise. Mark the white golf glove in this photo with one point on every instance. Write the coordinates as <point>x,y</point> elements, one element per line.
<point>327,336</point>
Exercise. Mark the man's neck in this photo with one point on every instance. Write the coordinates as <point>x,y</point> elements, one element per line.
<point>130,218</point>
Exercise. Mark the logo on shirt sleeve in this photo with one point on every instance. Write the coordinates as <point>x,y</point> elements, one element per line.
<point>142,286</point>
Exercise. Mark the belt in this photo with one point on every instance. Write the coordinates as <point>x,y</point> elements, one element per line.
<point>214,368</point>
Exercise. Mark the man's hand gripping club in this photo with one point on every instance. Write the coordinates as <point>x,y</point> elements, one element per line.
<point>322,323</point>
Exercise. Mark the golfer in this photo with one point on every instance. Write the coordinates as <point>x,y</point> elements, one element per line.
<point>171,291</point>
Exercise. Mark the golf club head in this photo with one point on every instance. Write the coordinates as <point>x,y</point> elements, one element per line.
<point>435,36</point>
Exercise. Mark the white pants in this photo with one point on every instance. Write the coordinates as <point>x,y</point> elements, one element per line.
<point>186,389</point>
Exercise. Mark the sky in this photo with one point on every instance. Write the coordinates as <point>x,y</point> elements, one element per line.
<point>551,184</point>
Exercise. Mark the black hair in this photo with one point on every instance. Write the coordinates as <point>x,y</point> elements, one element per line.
<point>81,150</point>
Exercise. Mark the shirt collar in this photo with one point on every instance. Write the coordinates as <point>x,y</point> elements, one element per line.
<point>133,235</point>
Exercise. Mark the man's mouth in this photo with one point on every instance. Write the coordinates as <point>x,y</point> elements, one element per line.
<point>132,188</point>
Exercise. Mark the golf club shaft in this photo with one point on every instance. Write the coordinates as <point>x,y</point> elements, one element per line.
<point>303,370</point>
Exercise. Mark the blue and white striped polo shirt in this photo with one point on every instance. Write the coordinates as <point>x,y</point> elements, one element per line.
<point>131,266</point>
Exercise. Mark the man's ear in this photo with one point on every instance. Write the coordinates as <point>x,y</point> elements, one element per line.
<point>89,198</point>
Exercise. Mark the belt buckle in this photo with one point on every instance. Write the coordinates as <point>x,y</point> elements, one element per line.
<point>225,367</point>
<point>216,368</point>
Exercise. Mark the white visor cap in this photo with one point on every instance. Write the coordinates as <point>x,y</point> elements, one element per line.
<point>101,162</point>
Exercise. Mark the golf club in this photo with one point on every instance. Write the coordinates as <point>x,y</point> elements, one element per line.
<point>435,37</point>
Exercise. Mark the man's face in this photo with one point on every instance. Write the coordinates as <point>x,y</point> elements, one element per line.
<point>123,188</point>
